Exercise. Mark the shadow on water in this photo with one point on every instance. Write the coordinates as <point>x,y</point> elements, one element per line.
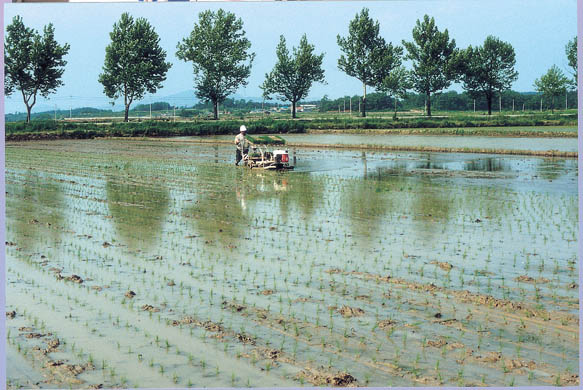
<point>38,202</point>
<point>138,210</point>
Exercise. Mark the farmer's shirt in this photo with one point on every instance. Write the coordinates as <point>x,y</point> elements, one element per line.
<point>243,144</point>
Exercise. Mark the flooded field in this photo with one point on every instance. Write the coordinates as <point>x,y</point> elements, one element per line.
<point>438,141</point>
<point>160,264</point>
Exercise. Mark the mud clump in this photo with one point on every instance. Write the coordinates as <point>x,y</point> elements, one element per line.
<point>34,335</point>
<point>233,306</point>
<point>347,311</point>
<point>150,308</point>
<point>455,346</point>
<point>74,279</point>
<point>386,324</point>
<point>512,364</point>
<point>212,327</point>
<point>171,283</point>
<point>266,292</point>
<point>130,294</point>
<point>318,378</point>
<point>436,343</point>
<point>52,345</point>
<point>529,279</point>
<point>491,357</point>
<point>443,265</point>
<point>11,314</point>
<point>243,338</point>
<point>272,354</point>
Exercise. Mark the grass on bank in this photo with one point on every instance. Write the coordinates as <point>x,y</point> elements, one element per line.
<point>529,125</point>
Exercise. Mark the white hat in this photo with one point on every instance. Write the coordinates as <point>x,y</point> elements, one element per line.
<point>243,128</point>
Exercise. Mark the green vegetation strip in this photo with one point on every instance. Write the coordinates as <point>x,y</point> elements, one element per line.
<point>455,125</point>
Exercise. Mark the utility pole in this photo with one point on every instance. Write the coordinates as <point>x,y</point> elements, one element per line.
<point>566,94</point>
<point>351,105</point>
<point>174,116</point>
<point>150,110</point>
<point>344,104</point>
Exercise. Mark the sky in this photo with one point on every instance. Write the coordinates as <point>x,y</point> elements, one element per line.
<point>538,31</point>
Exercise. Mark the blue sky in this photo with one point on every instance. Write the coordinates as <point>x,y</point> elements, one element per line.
<point>538,30</point>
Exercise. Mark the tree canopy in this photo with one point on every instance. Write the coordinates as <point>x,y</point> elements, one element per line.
<point>134,61</point>
<point>434,58</point>
<point>220,55</point>
<point>367,56</point>
<point>552,84</point>
<point>488,69</point>
<point>33,64</point>
<point>396,85</point>
<point>293,75</point>
<point>571,51</point>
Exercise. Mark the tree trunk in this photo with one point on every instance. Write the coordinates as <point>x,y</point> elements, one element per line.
<point>126,105</point>
<point>395,114</point>
<point>553,104</point>
<point>364,101</point>
<point>28,109</point>
<point>489,100</point>
<point>428,103</point>
<point>293,109</point>
<point>215,110</point>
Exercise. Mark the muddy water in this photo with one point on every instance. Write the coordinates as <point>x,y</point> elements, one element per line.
<point>159,264</point>
<point>473,142</point>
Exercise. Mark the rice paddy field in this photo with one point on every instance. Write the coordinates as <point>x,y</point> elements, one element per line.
<point>160,264</point>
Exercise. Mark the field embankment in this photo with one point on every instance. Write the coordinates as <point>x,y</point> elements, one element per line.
<point>472,126</point>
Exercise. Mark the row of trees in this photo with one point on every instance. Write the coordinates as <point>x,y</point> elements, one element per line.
<point>135,64</point>
<point>445,101</point>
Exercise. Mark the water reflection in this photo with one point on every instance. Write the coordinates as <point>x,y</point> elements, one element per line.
<point>550,169</point>
<point>35,208</point>
<point>220,212</point>
<point>138,210</point>
<point>488,164</point>
<point>366,205</point>
<point>302,190</point>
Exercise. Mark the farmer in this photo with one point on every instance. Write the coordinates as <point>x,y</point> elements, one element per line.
<point>242,144</point>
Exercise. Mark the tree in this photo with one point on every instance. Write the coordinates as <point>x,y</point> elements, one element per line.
<point>33,64</point>
<point>366,54</point>
<point>434,57</point>
<point>134,61</point>
<point>571,51</point>
<point>488,69</point>
<point>293,76</point>
<point>396,85</point>
<point>552,84</point>
<point>218,49</point>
